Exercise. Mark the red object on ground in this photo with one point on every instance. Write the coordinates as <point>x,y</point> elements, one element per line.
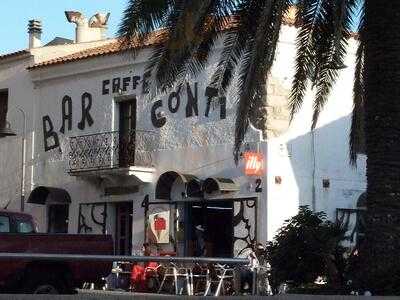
<point>140,275</point>
<point>138,279</point>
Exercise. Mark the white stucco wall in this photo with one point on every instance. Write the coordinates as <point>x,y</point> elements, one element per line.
<point>196,145</point>
<point>15,78</point>
<point>303,161</point>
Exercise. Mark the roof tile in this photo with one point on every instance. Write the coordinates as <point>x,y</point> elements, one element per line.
<point>16,53</point>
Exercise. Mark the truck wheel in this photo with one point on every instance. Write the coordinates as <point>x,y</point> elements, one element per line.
<point>44,285</point>
<point>45,289</point>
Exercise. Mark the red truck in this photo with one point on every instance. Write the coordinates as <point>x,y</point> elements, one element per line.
<point>18,234</point>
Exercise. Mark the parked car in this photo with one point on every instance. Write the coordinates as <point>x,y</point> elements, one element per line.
<point>18,234</point>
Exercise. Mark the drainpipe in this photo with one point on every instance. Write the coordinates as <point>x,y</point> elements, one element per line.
<point>313,192</point>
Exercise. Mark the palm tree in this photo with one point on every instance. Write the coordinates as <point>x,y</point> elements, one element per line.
<point>382,110</point>
<point>188,30</point>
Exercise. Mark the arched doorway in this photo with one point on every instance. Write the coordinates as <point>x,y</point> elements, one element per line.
<point>205,219</point>
<point>57,203</point>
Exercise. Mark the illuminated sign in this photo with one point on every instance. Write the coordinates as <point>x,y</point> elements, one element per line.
<point>254,164</point>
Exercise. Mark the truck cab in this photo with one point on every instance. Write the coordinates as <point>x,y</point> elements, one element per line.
<point>18,234</point>
<point>16,222</point>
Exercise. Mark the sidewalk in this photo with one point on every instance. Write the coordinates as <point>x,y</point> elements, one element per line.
<point>101,295</point>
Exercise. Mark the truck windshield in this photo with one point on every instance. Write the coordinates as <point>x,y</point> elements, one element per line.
<point>4,224</point>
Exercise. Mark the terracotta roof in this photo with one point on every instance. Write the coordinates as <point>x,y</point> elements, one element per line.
<point>117,46</point>
<point>17,53</point>
<point>109,48</point>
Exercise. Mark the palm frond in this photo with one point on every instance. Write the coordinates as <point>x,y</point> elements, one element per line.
<point>142,17</point>
<point>209,30</point>
<point>193,27</point>
<point>234,44</point>
<point>256,65</point>
<point>357,131</point>
<point>331,48</point>
<point>321,49</point>
<point>162,62</point>
<point>308,14</point>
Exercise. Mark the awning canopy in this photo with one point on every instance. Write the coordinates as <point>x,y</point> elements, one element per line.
<point>167,179</point>
<point>49,195</point>
<point>223,185</point>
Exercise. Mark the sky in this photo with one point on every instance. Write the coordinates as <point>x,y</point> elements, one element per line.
<point>15,15</point>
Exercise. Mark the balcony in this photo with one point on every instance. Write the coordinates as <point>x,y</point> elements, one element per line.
<point>111,152</point>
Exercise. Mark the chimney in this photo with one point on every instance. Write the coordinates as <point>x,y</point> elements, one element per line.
<point>88,30</point>
<point>35,33</point>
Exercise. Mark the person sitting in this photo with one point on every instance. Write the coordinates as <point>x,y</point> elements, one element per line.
<point>247,272</point>
<point>200,250</point>
<point>140,271</point>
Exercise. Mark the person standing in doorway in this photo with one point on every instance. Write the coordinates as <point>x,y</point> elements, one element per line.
<point>200,241</point>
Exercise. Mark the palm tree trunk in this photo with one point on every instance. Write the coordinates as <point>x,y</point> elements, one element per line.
<point>380,252</point>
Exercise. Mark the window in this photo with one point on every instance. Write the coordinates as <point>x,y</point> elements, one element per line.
<point>3,108</point>
<point>24,226</point>
<point>4,224</point>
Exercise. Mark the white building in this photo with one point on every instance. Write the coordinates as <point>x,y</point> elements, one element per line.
<point>104,156</point>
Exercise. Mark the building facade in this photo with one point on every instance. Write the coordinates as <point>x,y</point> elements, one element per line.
<point>106,154</point>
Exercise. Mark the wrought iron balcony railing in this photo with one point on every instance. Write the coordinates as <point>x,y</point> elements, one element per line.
<point>111,150</point>
<point>353,221</point>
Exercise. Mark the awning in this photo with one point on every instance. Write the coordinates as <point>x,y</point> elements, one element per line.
<point>166,180</point>
<point>223,185</point>
<point>49,195</point>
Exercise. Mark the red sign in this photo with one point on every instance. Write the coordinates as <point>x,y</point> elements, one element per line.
<point>160,224</point>
<point>254,164</point>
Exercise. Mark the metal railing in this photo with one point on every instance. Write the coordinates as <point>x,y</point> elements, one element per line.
<point>352,220</point>
<point>168,262</point>
<point>110,150</point>
<point>113,258</point>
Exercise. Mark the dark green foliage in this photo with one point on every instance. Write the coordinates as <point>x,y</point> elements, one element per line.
<point>357,133</point>
<point>307,246</point>
<point>321,48</point>
<point>189,29</point>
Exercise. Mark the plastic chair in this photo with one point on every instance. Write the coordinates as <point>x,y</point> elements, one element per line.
<point>199,275</point>
<point>222,274</point>
<point>151,273</point>
<point>177,272</point>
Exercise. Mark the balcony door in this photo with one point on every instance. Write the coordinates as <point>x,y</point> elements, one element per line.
<point>127,134</point>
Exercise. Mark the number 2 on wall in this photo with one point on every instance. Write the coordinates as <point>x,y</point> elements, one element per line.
<point>258,186</point>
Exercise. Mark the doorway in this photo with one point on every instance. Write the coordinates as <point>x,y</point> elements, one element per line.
<point>127,132</point>
<point>216,219</point>
<point>58,218</point>
<point>123,228</point>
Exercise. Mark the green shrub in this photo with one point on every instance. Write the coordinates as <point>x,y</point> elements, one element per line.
<point>305,247</point>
